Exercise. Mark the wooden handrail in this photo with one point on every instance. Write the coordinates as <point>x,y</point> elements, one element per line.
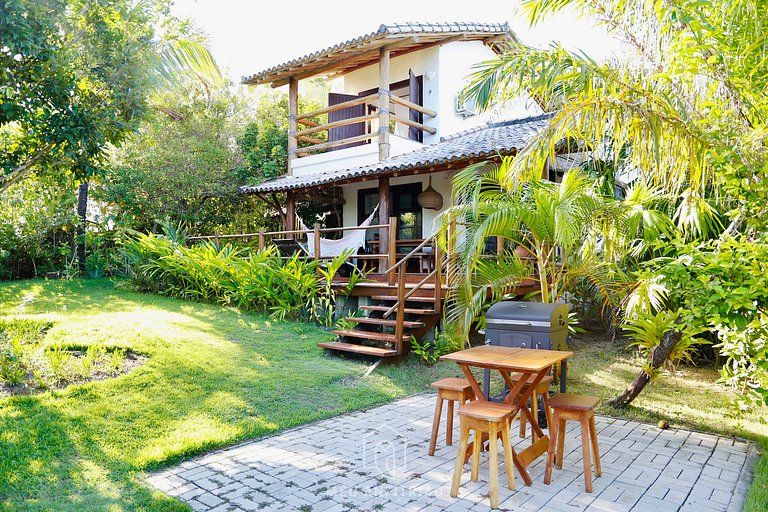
<point>291,232</point>
<point>359,138</point>
<point>403,297</point>
<point>411,292</point>
<point>400,306</point>
<point>371,98</point>
<point>415,124</point>
<point>311,140</point>
<point>410,254</point>
<point>413,106</point>
<point>438,277</point>
<point>336,124</point>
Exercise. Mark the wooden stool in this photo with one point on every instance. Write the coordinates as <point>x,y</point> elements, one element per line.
<point>452,390</point>
<point>485,418</point>
<point>573,407</point>
<point>541,390</point>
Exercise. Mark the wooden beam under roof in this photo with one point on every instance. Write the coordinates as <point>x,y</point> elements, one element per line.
<point>365,53</point>
<point>368,57</point>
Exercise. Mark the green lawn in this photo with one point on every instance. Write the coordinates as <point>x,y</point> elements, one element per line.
<point>216,376</point>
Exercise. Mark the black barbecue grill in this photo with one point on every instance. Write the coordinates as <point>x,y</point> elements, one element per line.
<point>527,325</point>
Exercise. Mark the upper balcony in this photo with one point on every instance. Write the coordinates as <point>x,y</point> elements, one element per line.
<point>386,107</point>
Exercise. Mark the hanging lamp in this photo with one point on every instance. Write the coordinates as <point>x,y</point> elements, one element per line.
<point>430,198</point>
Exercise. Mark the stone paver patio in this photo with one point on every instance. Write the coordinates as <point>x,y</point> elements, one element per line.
<point>377,460</point>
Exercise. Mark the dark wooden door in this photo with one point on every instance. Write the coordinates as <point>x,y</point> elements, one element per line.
<point>415,96</point>
<point>350,130</point>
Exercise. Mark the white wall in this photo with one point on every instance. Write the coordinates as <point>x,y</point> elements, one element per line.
<point>441,181</point>
<point>347,158</point>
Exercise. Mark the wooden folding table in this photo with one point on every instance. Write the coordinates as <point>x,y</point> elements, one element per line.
<point>507,360</point>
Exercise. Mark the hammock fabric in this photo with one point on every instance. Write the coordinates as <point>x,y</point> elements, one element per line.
<point>333,248</point>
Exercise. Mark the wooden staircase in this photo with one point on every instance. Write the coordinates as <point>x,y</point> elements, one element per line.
<point>400,308</point>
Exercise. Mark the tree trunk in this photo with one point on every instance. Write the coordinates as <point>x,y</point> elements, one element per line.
<point>82,209</point>
<point>659,356</point>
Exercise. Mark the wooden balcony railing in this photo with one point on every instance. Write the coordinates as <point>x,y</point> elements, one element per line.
<point>309,134</point>
<point>376,260</point>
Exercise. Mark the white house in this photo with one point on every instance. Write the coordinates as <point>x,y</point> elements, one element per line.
<point>393,124</point>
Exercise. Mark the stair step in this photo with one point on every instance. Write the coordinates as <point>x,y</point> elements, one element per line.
<point>382,321</point>
<point>408,311</point>
<point>412,298</point>
<point>358,349</point>
<point>367,335</point>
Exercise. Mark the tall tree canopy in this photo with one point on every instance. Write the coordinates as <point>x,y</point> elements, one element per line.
<point>75,77</point>
<point>182,164</point>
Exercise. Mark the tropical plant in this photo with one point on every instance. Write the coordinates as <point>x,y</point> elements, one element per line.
<point>89,359</point>
<point>13,369</point>
<point>553,239</point>
<point>295,287</point>
<point>430,350</point>
<point>181,164</point>
<point>57,358</point>
<point>720,287</point>
<point>76,77</point>
<point>115,360</point>
<point>686,108</point>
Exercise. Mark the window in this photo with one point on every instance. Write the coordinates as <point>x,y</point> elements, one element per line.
<point>403,205</point>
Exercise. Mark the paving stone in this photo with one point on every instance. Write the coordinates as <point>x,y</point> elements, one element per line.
<point>328,466</point>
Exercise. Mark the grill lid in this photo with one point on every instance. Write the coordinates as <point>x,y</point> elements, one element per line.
<point>533,314</point>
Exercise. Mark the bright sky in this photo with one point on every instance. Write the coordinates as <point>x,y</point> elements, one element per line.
<point>247,36</point>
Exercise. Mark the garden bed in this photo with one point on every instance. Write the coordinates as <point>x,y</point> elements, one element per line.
<point>29,365</point>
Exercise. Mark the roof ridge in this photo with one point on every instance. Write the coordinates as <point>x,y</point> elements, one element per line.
<point>407,27</point>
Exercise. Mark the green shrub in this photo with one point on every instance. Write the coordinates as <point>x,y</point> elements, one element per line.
<point>89,359</point>
<point>58,359</point>
<point>430,350</point>
<point>291,288</point>
<point>27,330</point>
<point>13,369</point>
<point>720,288</point>
<point>115,359</point>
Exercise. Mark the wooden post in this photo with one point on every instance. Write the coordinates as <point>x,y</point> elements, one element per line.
<point>216,237</point>
<point>392,248</point>
<point>438,276</point>
<point>400,318</point>
<point>290,213</point>
<point>451,251</point>
<point>293,111</point>
<point>499,244</point>
<point>261,239</point>
<point>317,241</point>
<point>384,94</point>
<point>383,214</point>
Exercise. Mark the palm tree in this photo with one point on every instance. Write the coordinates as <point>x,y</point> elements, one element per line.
<point>686,107</point>
<point>553,235</point>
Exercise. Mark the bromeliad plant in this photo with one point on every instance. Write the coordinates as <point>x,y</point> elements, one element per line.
<point>292,288</point>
